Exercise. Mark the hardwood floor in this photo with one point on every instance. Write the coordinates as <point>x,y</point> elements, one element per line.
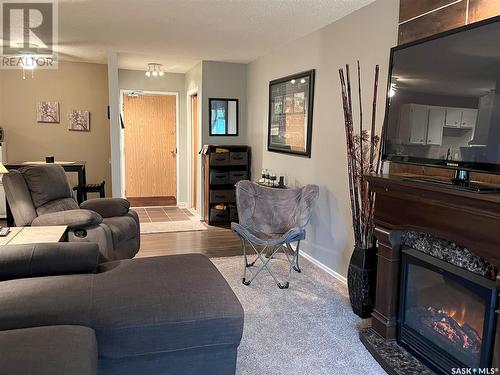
<point>212,243</point>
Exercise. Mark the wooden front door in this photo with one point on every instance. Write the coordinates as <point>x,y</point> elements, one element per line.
<point>150,145</point>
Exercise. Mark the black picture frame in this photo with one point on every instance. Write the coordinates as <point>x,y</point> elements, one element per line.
<point>291,104</point>
<point>226,134</point>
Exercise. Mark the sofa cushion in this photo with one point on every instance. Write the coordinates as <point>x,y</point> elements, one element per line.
<point>136,307</point>
<point>55,350</point>
<point>19,198</point>
<point>74,219</point>
<point>107,207</point>
<point>58,205</point>
<point>29,260</point>
<point>46,183</point>
<point>184,303</point>
<point>122,228</point>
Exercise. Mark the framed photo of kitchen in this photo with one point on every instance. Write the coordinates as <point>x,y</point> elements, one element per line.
<point>291,102</point>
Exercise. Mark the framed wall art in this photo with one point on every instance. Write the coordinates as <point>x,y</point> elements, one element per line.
<point>47,112</point>
<point>79,121</point>
<point>291,101</point>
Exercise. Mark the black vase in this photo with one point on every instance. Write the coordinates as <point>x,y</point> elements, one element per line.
<point>361,281</point>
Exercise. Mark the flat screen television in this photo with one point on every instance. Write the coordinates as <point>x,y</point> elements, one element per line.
<point>443,107</point>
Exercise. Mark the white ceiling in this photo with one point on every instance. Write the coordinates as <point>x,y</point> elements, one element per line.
<point>180,33</point>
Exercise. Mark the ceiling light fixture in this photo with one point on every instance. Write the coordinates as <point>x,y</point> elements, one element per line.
<point>155,70</point>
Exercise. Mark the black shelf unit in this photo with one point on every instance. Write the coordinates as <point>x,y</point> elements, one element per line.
<point>221,172</point>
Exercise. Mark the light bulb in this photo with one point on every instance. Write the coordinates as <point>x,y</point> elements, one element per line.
<point>302,80</point>
<point>392,90</point>
<point>292,81</point>
<point>161,74</point>
<point>155,73</point>
<point>148,74</point>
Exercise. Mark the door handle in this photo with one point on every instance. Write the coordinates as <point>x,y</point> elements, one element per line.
<point>173,152</point>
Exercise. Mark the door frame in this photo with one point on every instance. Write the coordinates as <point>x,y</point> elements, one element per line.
<point>122,135</point>
<point>190,182</point>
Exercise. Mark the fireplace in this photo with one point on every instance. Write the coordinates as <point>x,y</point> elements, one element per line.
<point>446,314</point>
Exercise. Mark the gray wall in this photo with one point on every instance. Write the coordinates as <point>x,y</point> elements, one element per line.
<point>367,35</point>
<point>170,82</point>
<point>225,80</point>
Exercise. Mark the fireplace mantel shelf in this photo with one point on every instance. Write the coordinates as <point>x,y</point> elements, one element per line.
<point>470,220</point>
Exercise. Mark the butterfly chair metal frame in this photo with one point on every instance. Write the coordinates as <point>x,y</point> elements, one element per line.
<point>270,221</point>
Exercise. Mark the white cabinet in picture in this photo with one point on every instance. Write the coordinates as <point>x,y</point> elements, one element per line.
<point>437,118</point>
<point>413,124</point>
<point>418,118</point>
<point>453,117</point>
<point>469,118</point>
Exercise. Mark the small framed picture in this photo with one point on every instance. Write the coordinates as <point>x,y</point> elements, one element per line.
<point>79,121</point>
<point>48,112</point>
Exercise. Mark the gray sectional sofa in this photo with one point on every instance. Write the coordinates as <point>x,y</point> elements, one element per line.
<point>63,312</point>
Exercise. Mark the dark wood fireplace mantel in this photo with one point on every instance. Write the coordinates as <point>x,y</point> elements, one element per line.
<point>469,219</point>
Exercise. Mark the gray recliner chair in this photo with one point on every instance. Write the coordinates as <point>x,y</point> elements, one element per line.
<point>40,195</point>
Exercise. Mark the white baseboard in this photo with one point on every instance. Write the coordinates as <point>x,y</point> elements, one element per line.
<point>328,270</point>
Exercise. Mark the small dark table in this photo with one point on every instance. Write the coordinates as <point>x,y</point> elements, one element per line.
<point>70,167</point>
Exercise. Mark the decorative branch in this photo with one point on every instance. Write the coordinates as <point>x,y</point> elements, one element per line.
<point>362,158</point>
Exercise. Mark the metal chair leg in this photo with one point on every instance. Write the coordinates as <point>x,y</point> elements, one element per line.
<point>265,254</point>
<point>296,267</point>
<point>245,262</point>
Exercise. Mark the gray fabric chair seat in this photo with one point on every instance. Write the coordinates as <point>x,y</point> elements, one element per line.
<point>269,239</point>
<point>123,228</point>
<point>136,307</point>
<point>55,350</point>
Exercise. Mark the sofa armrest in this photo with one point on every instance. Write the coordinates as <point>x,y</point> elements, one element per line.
<point>107,207</point>
<point>19,261</point>
<point>74,219</point>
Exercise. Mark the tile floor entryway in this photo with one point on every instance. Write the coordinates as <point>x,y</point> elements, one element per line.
<point>162,214</point>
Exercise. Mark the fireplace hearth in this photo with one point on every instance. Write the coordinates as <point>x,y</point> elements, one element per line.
<point>447,314</point>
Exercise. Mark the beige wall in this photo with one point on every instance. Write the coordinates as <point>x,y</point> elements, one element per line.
<point>170,82</point>
<point>367,35</point>
<point>75,86</point>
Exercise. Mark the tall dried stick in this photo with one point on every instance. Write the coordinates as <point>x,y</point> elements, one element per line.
<point>352,152</point>
<point>362,185</point>
<point>374,116</point>
<point>372,148</point>
<point>350,167</point>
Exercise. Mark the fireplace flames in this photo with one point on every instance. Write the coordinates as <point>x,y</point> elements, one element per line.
<point>450,326</point>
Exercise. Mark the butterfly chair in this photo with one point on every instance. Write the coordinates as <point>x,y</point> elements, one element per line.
<point>270,220</point>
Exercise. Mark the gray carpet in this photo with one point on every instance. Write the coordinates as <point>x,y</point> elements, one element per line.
<point>307,329</point>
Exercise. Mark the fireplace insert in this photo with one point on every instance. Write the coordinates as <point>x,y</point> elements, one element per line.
<point>446,315</point>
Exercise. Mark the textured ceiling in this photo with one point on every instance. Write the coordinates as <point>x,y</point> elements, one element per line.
<point>180,33</point>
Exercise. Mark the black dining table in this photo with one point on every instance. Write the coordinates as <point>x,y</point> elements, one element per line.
<point>77,167</point>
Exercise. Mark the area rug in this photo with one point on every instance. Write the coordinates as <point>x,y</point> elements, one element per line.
<point>172,226</point>
<point>306,329</point>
